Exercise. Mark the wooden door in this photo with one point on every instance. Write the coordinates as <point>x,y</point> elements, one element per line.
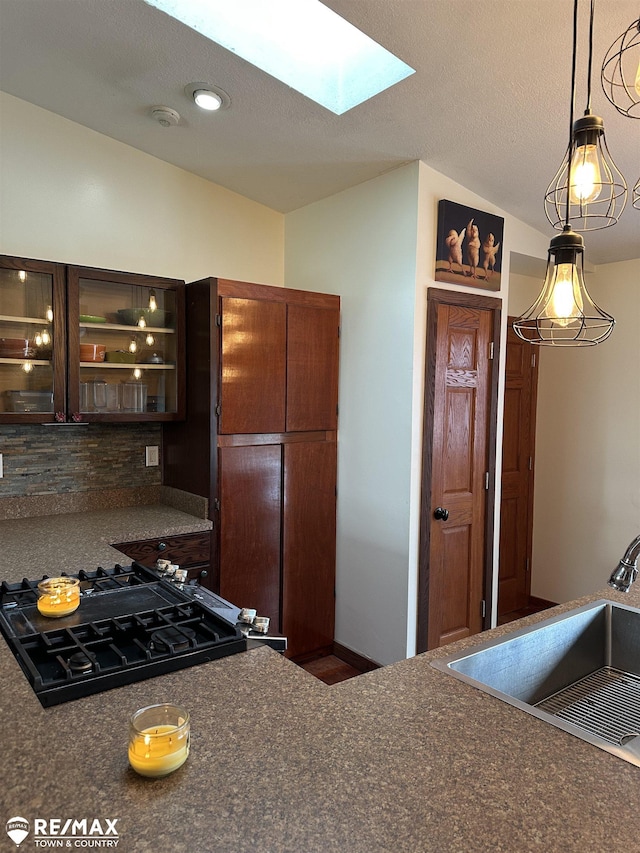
<point>516,507</point>
<point>312,368</point>
<point>458,470</point>
<point>309,531</point>
<point>250,490</point>
<point>253,366</point>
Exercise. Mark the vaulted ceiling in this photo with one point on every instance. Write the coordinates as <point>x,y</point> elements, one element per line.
<point>488,105</point>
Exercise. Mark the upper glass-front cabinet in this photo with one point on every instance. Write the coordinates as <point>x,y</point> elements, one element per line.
<point>80,344</point>
<point>125,346</point>
<point>32,340</point>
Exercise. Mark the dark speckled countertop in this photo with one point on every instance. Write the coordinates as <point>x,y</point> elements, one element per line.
<point>404,758</point>
<point>38,545</point>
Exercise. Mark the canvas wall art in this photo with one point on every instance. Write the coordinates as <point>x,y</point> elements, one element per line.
<point>470,246</point>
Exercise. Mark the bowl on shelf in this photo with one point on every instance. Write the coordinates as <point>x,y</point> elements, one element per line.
<point>120,356</point>
<point>92,352</point>
<point>16,348</point>
<point>92,318</point>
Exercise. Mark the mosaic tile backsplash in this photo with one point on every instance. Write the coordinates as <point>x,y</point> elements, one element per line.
<point>45,460</point>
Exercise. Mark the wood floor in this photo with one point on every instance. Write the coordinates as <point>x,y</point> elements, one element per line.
<point>330,669</point>
<point>520,614</point>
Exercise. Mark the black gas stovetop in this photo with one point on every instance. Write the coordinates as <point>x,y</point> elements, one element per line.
<point>131,624</point>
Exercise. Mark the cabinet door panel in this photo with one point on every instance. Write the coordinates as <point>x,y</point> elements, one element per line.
<point>312,368</point>
<point>250,512</point>
<point>308,601</point>
<point>252,394</point>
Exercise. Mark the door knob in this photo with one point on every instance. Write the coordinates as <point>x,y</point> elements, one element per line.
<point>441,514</point>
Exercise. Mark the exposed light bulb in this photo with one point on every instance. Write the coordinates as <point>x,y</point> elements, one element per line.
<point>207,100</point>
<point>565,304</point>
<point>637,86</point>
<point>586,180</point>
<point>49,313</point>
<point>38,340</point>
<point>133,346</point>
<point>142,323</point>
<point>137,373</point>
<point>22,275</point>
<point>149,339</point>
<point>152,301</point>
<point>27,367</point>
<point>46,337</point>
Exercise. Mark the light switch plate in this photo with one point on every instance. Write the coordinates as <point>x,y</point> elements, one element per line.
<point>151,455</point>
<point>1,466</point>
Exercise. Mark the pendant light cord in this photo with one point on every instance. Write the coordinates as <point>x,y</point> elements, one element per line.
<point>588,109</point>
<point>572,106</point>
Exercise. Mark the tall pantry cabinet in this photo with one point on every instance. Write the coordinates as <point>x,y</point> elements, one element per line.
<point>259,442</point>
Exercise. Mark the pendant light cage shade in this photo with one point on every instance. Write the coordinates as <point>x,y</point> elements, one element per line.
<point>598,191</point>
<point>620,74</point>
<point>564,314</point>
<point>636,195</point>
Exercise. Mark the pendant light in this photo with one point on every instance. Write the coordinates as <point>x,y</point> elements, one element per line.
<point>588,179</point>
<point>564,314</point>
<point>636,195</point>
<point>620,74</point>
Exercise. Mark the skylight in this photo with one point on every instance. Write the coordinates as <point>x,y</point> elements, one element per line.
<point>302,43</point>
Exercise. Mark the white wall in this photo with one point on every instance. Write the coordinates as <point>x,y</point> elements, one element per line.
<point>361,243</point>
<point>375,245</point>
<point>587,483</point>
<point>69,194</point>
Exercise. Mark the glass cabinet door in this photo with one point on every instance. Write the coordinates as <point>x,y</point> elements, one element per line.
<point>32,345</point>
<point>124,345</point>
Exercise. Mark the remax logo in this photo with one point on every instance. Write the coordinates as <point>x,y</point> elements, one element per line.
<point>18,829</point>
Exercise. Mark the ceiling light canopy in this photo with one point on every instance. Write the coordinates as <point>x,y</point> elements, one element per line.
<point>302,43</point>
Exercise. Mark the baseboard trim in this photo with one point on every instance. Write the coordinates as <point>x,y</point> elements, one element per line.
<point>354,659</point>
<point>541,603</point>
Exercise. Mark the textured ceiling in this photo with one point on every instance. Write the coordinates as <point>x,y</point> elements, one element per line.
<point>488,106</point>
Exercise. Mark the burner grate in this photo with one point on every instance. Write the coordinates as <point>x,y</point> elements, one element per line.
<point>130,625</point>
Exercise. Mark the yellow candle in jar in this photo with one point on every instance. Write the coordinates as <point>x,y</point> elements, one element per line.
<point>58,596</point>
<point>159,750</point>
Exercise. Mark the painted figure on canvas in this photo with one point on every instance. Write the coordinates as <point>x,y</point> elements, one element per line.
<point>469,246</point>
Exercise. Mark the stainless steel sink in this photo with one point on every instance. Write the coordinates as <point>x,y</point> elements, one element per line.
<point>579,671</point>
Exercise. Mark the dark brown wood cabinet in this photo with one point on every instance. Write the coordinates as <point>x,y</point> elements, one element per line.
<point>259,442</point>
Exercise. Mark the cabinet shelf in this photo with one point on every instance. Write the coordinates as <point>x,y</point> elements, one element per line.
<point>35,362</point>
<point>116,327</point>
<point>129,366</point>
<point>36,321</point>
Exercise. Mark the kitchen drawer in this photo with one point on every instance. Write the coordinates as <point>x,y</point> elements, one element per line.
<point>188,550</point>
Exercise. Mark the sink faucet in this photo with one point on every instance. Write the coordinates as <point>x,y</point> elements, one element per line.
<point>627,571</point>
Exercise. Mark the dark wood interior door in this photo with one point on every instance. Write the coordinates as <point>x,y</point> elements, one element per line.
<point>459,413</point>
<point>253,359</point>
<point>250,488</point>
<point>309,530</point>
<point>516,506</point>
<point>312,368</point>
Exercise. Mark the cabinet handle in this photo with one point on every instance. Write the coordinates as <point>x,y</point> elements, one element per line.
<point>162,546</point>
<point>204,573</point>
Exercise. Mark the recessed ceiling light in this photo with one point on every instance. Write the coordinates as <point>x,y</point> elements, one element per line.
<point>208,97</point>
<point>302,43</point>
<point>207,100</point>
